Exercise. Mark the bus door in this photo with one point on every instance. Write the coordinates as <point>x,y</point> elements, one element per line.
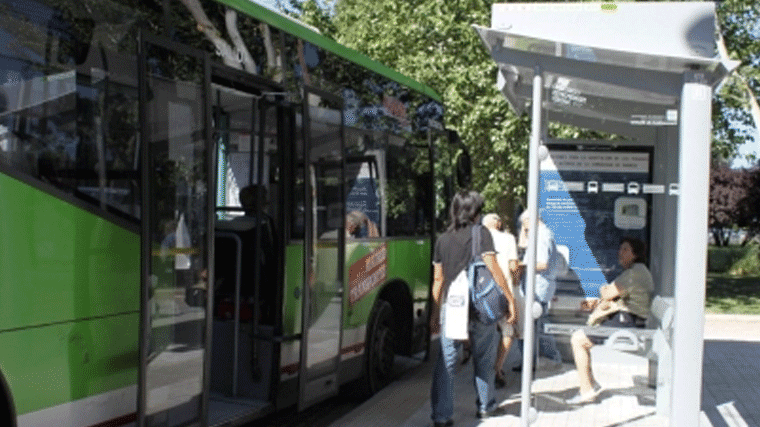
<point>177,233</point>
<point>324,246</point>
<point>251,120</point>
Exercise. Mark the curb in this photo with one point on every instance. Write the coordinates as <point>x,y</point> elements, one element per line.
<point>732,317</point>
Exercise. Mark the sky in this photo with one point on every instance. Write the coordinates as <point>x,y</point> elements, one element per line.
<point>272,4</point>
<point>752,146</point>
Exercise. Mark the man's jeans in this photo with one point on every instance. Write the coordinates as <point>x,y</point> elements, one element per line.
<point>483,344</point>
<point>547,345</point>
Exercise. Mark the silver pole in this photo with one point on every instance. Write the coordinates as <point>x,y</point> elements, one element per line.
<point>691,254</point>
<point>530,256</point>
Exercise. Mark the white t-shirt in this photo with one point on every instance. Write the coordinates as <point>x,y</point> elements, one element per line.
<point>506,250</point>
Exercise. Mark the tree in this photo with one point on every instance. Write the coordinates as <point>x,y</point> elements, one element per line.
<point>735,108</point>
<point>748,216</point>
<point>208,17</point>
<point>432,42</point>
<point>734,202</point>
<point>726,195</point>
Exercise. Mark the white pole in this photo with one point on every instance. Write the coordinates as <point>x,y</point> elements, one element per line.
<point>530,256</point>
<point>691,250</point>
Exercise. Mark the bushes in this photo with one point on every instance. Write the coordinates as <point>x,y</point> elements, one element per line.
<point>720,259</point>
<point>749,264</point>
<point>734,260</point>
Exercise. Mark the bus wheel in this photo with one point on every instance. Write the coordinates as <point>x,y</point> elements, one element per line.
<point>381,342</point>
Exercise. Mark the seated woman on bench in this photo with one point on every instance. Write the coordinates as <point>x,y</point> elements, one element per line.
<point>624,303</point>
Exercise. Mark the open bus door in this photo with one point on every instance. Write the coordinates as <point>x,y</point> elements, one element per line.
<point>252,122</point>
<point>324,247</point>
<point>177,233</point>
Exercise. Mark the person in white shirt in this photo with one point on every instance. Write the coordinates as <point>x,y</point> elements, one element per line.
<point>506,256</point>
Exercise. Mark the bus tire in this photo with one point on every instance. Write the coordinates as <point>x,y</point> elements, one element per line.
<point>7,410</point>
<point>380,353</point>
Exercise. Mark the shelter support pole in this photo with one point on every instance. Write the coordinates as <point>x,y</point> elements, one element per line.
<point>691,250</point>
<point>530,256</point>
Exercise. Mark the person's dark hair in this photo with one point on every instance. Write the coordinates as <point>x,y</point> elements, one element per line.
<point>639,247</point>
<point>465,209</point>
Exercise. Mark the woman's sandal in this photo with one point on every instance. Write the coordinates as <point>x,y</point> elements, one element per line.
<point>500,381</point>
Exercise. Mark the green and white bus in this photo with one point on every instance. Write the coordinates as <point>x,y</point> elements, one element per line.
<point>134,288</point>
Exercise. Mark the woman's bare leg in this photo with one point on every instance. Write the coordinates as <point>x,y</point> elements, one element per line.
<point>582,355</point>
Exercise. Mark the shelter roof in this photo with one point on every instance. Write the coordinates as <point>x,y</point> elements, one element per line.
<point>613,67</point>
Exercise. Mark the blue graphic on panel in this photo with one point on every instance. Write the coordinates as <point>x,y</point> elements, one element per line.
<point>590,200</point>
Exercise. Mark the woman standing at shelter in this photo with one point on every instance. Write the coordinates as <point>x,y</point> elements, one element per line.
<point>626,301</point>
<point>453,252</point>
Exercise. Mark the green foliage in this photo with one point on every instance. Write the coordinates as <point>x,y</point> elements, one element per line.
<point>735,261</point>
<point>721,259</point>
<point>740,27</point>
<point>748,264</point>
<point>312,13</point>
<point>432,41</point>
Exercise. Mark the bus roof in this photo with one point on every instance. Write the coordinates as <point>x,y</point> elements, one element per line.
<point>299,29</point>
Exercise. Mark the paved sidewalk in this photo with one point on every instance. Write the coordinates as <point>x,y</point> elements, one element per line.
<point>731,393</point>
<point>731,371</point>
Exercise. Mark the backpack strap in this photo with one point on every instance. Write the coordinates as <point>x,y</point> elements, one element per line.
<point>475,241</point>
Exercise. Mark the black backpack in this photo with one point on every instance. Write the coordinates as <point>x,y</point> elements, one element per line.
<point>486,296</point>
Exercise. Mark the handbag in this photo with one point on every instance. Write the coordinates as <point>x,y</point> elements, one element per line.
<point>455,319</point>
<point>603,312</point>
<point>486,296</point>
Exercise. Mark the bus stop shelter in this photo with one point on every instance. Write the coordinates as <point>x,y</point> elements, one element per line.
<point>645,72</point>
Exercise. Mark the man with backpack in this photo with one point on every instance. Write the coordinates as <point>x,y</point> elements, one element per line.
<point>453,253</point>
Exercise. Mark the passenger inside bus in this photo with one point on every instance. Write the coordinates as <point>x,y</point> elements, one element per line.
<point>359,225</point>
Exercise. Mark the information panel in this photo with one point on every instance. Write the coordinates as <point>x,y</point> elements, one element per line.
<point>591,199</point>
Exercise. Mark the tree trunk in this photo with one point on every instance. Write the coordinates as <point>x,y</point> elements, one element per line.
<point>274,64</point>
<point>243,55</point>
<point>204,25</point>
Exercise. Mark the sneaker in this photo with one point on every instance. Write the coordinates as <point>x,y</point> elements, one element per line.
<point>447,423</point>
<point>580,399</point>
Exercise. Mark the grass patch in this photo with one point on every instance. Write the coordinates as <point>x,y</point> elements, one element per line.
<point>732,295</point>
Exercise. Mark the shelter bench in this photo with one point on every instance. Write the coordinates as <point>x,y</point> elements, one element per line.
<point>652,342</point>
